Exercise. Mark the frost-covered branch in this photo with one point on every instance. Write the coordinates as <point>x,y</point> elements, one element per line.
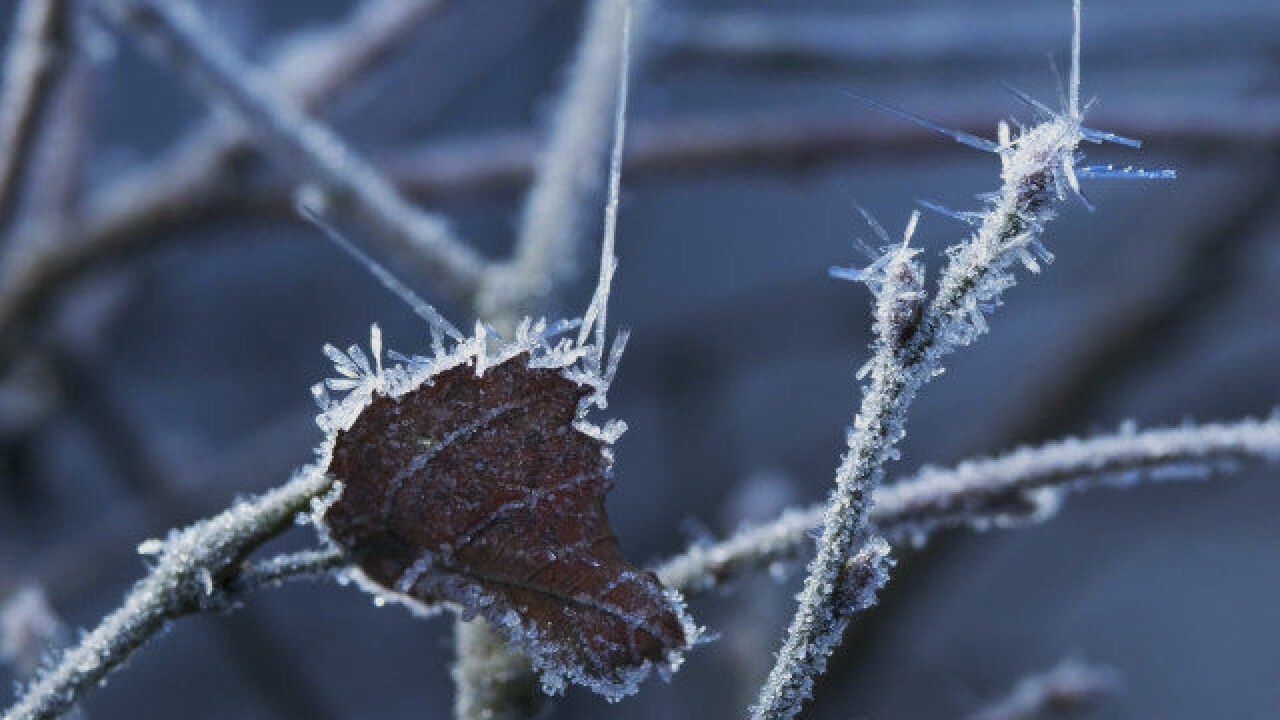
<point>835,589</point>
<point>1020,486</point>
<point>176,33</point>
<point>38,48</point>
<point>492,681</point>
<point>1023,486</point>
<point>569,172</point>
<point>192,567</point>
<point>1069,686</point>
<point>303,565</point>
<point>1037,167</point>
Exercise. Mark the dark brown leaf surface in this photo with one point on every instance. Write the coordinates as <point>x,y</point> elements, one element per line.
<point>478,491</point>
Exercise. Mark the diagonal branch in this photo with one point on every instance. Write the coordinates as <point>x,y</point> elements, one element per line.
<point>190,573</point>
<point>37,54</point>
<point>176,33</point>
<point>197,175</point>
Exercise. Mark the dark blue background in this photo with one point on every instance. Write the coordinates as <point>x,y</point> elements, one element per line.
<point>739,375</point>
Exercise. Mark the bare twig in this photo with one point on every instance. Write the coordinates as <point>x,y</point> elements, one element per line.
<point>569,171</point>
<point>175,32</point>
<point>1070,685</point>
<point>1022,486</point>
<point>57,185</point>
<point>37,52</point>
<point>191,568</point>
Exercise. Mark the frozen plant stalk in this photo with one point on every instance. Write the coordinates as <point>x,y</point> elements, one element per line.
<point>1038,166</point>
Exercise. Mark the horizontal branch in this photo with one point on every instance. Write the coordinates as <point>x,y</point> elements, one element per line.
<point>131,221</point>
<point>1069,686</point>
<point>191,568</point>
<point>955,34</point>
<point>1019,487</point>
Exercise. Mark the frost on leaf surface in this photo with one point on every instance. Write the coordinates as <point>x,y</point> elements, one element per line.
<point>481,489</point>
<point>473,479</point>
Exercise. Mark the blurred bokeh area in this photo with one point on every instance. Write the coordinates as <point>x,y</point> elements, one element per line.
<point>166,379</point>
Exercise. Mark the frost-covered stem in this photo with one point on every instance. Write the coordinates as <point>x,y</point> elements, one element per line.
<point>570,170</point>
<point>491,681</point>
<point>1069,686</point>
<point>38,48</point>
<point>1034,166</point>
<point>835,588</point>
<point>302,565</point>
<point>1021,486</point>
<point>826,600</point>
<point>176,33</point>
<point>191,569</point>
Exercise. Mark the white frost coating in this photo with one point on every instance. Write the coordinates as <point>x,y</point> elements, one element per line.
<point>1019,487</point>
<point>580,359</point>
<point>835,589</point>
<point>1037,168</point>
<point>178,584</point>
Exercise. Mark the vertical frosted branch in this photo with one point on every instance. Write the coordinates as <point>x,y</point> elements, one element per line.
<point>835,589</point>
<point>1037,168</point>
<point>491,681</point>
